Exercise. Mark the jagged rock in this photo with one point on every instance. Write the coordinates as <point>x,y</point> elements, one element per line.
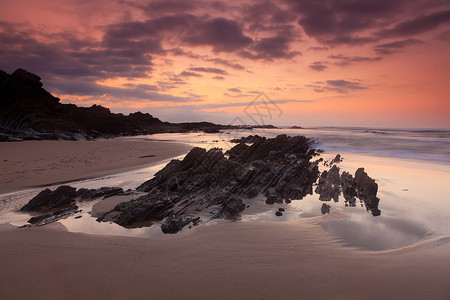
<point>65,196</point>
<point>173,224</point>
<point>279,168</point>
<point>336,160</point>
<point>362,186</point>
<point>54,217</point>
<point>97,193</point>
<point>48,200</point>
<point>325,209</point>
<point>367,190</point>
<point>329,185</point>
<point>231,207</point>
<point>248,139</point>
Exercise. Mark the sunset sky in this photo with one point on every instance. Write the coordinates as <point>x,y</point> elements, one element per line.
<point>383,63</point>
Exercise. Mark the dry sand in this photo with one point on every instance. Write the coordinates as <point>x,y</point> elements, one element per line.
<point>36,163</point>
<point>225,261</point>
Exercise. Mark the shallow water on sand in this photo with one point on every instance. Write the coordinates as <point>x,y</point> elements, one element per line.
<point>412,169</point>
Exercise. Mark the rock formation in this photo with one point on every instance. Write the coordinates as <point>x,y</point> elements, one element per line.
<point>61,203</point>
<point>211,184</point>
<point>280,168</point>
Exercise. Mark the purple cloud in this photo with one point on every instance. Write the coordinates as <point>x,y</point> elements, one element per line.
<point>222,34</point>
<point>318,66</point>
<point>209,70</point>
<point>395,47</point>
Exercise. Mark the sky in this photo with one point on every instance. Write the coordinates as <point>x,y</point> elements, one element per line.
<point>368,63</point>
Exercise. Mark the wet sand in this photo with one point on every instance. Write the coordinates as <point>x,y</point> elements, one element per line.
<point>226,261</point>
<point>240,260</point>
<point>39,163</point>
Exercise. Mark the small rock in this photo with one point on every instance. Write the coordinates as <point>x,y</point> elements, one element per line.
<point>278,213</point>
<point>325,209</point>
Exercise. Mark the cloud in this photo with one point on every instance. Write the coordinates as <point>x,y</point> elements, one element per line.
<point>444,36</point>
<point>336,22</point>
<point>277,47</point>
<point>240,95</point>
<point>395,47</point>
<point>189,74</point>
<point>218,78</point>
<point>235,90</point>
<point>342,60</point>
<point>355,22</point>
<point>318,48</point>
<point>224,35</point>
<point>318,66</point>
<point>417,25</point>
<point>209,70</point>
<point>339,86</point>
<point>227,63</point>
<point>137,93</point>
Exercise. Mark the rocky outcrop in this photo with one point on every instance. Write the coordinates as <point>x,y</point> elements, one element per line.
<point>29,112</point>
<point>61,203</point>
<point>361,186</point>
<point>209,182</point>
<point>48,200</point>
<point>248,139</point>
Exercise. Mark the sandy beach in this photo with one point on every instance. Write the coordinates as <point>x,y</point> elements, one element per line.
<point>226,261</point>
<point>296,259</point>
<point>39,163</point>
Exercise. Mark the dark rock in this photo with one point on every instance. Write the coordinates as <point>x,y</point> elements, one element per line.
<point>230,207</point>
<point>325,209</point>
<point>329,185</point>
<point>54,216</point>
<point>66,196</point>
<point>367,190</point>
<point>48,200</point>
<point>336,160</point>
<point>248,139</point>
<point>279,168</point>
<point>173,224</point>
<point>278,213</point>
<point>281,209</point>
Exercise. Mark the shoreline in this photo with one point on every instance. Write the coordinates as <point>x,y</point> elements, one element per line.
<point>34,164</point>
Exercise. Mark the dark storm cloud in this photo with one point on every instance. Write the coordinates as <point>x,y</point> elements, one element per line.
<point>277,47</point>
<point>395,47</point>
<point>224,35</point>
<point>418,25</point>
<point>56,58</point>
<point>170,6</point>
<point>209,70</point>
<point>342,60</point>
<point>337,21</point>
<point>359,22</point>
<point>317,66</point>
